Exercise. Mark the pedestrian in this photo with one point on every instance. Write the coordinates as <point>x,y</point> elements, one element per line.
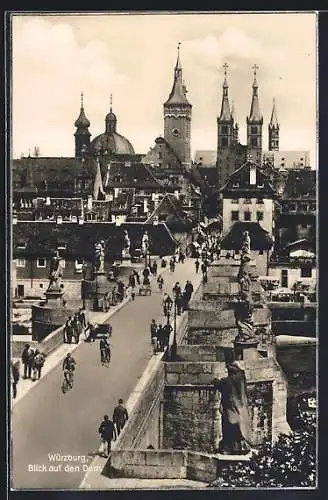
<point>163,263</point>
<point>114,296</point>
<point>107,433</point>
<point>38,364</point>
<point>177,288</point>
<point>120,290</point>
<point>160,337</point>
<point>69,330</point>
<point>189,289</point>
<point>167,329</point>
<point>120,416</point>
<point>77,328</point>
<point>136,274</point>
<point>179,303</point>
<point>25,361</point>
<point>160,281</point>
<point>172,264</point>
<point>154,268</point>
<point>14,376</point>
<point>197,265</point>
<point>92,333</point>
<point>104,346</point>
<point>81,316</point>
<point>153,330</point>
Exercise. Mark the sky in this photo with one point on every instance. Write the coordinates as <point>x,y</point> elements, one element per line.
<point>56,57</point>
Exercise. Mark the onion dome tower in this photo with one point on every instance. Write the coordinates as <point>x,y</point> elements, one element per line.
<point>111,142</point>
<point>82,134</point>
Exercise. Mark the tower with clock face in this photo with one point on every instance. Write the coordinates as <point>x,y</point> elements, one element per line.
<point>177,117</point>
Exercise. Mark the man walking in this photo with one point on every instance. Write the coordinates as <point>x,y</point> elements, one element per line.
<point>104,346</point>
<point>69,330</point>
<point>197,265</point>
<point>25,361</point>
<point>120,416</point>
<point>107,433</point>
<point>14,374</point>
<point>38,363</point>
<point>153,330</point>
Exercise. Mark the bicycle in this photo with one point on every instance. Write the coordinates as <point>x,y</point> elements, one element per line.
<point>68,381</point>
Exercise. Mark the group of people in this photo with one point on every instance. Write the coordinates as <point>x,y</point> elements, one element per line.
<point>109,430</point>
<point>203,267</point>
<point>159,336</point>
<point>33,361</point>
<point>74,327</point>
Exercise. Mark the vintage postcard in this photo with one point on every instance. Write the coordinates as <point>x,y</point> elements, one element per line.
<point>164,251</point>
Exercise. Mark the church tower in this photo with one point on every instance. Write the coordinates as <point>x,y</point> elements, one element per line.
<point>82,134</point>
<point>177,117</point>
<point>254,126</point>
<point>235,130</point>
<point>225,119</point>
<point>274,130</point>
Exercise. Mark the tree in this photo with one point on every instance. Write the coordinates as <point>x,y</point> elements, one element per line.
<point>290,462</point>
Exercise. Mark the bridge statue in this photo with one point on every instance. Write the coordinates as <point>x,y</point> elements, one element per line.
<point>244,307</point>
<point>99,257</point>
<point>236,429</point>
<point>126,244</point>
<point>55,273</point>
<point>145,242</point>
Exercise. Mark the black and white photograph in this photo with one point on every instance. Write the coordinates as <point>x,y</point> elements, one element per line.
<point>163,250</point>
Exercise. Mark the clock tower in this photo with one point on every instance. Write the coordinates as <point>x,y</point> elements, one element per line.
<point>177,117</point>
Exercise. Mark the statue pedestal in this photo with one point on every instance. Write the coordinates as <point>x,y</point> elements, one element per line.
<point>48,317</point>
<point>96,288</point>
<point>246,351</point>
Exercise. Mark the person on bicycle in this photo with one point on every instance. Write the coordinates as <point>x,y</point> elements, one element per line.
<point>104,350</point>
<point>69,363</point>
<point>160,282</point>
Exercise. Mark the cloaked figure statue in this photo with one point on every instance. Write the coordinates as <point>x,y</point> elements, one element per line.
<point>99,257</point>
<point>55,273</point>
<point>145,242</point>
<point>236,430</point>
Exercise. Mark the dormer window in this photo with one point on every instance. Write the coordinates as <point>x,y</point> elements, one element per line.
<point>235,184</point>
<point>260,184</point>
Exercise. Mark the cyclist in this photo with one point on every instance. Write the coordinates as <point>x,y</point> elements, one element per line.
<point>68,368</point>
<point>160,282</point>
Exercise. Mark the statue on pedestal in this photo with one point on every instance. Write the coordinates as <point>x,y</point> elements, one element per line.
<point>99,257</point>
<point>244,307</point>
<point>126,244</point>
<point>55,274</point>
<point>236,431</point>
<point>145,243</point>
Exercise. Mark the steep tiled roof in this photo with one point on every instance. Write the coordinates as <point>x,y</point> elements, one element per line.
<point>260,238</point>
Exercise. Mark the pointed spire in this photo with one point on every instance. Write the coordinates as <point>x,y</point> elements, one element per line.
<point>179,91</point>
<point>82,121</point>
<point>225,114</point>
<point>111,119</point>
<point>255,113</point>
<point>274,120</point>
<point>98,184</point>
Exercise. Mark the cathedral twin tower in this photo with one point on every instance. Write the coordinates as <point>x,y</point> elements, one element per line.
<point>177,121</point>
<point>177,125</point>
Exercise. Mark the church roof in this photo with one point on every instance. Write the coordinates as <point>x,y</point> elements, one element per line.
<point>274,120</point>
<point>225,114</point>
<point>82,121</point>
<point>178,92</point>
<point>255,113</point>
<point>39,172</point>
<point>112,142</point>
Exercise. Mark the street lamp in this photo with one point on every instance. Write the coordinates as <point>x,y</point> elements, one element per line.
<point>167,306</point>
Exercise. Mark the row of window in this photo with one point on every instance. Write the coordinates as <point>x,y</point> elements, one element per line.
<point>41,262</point>
<point>247,201</point>
<point>247,216</point>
